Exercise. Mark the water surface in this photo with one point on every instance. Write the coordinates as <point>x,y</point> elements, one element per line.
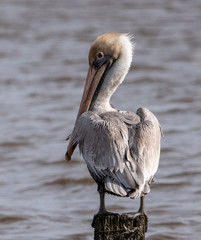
<point>43,54</point>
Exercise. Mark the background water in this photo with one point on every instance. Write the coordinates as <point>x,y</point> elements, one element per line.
<point>43,65</point>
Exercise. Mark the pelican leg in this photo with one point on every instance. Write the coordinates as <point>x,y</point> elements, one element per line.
<point>101,190</point>
<point>141,209</point>
<point>102,209</point>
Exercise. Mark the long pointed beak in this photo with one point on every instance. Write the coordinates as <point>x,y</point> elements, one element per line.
<point>93,78</point>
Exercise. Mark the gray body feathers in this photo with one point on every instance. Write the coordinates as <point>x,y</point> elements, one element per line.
<point>121,149</point>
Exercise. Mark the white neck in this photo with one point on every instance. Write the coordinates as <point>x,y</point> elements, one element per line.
<point>115,76</point>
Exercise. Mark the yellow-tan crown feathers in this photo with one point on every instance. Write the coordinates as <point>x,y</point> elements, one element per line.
<point>110,44</point>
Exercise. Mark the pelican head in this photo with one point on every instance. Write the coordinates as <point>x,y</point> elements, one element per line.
<point>110,57</point>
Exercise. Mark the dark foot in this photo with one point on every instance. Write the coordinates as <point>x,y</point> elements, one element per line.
<point>141,211</point>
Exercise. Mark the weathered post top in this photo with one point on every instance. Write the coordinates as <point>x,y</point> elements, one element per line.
<point>130,226</point>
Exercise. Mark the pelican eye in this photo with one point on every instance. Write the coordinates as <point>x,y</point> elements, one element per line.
<point>100,55</point>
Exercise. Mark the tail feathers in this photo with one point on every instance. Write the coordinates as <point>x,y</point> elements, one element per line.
<point>137,193</point>
<point>140,191</point>
<point>146,188</point>
<point>114,187</point>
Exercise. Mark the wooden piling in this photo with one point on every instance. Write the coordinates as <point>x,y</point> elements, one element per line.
<point>130,226</point>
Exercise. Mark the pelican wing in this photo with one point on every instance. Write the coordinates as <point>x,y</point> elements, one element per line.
<point>145,145</point>
<point>113,145</point>
<point>103,142</point>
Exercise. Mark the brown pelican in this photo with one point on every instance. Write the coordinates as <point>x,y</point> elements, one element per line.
<point>121,148</point>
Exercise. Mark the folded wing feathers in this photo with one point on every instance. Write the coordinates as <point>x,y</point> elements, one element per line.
<point>109,147</point>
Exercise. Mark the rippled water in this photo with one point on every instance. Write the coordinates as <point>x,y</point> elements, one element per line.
<point>43,55</point>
